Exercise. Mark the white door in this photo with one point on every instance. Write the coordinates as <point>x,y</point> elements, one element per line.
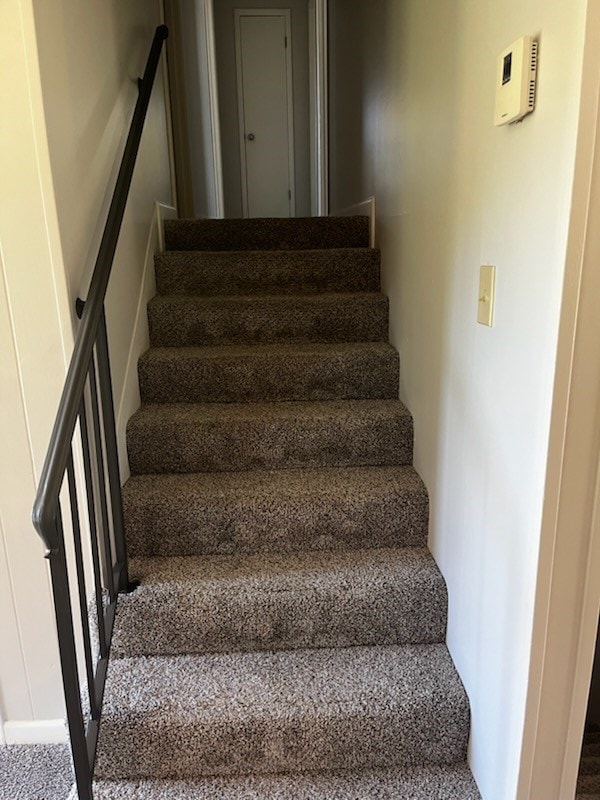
<point>265,103</point>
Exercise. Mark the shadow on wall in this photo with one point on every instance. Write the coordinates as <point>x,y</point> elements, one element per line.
<point>368,138</point>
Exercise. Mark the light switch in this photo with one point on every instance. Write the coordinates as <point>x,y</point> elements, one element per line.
<point>487,282</point>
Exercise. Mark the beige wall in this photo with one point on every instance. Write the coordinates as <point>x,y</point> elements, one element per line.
<point>412,91</point>
<point>228,101</point>
<point>89,85</point>
<point>68,72</point>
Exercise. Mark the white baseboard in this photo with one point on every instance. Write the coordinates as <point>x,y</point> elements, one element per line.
<point>163,212</point>
<point>46,731</point>
<point>129,400</point>
<point>365,208</point>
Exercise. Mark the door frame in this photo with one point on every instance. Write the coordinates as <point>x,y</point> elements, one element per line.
<point>567,602</point>
<point>287,15</point>
<point>319,106</point>
<point>215,123</point>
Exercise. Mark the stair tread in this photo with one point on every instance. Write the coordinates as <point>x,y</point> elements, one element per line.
<point>205,688</point>
<point>267,233</point>
<point>420,783</point>
<point>269,272</point>
<point>277,484</point>
<point>284,412</point>
<point>269,483</point>
<point>322,298</point>
<point>258,350</point>
<point>280,572</point>
<point>235,713</point>
<point>303,254</point>
<point>277,601</point>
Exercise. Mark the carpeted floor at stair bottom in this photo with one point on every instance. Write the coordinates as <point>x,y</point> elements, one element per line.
<point>287,639</point>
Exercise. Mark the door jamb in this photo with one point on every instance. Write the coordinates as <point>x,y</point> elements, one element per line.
<point>567,600</point>
<point>215,124</point>
<point>319,100</point>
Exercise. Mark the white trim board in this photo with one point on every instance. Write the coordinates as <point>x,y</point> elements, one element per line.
<point>163,212</point>
<point>319,111</point>
<point>47,731</point>
<point>129,399</point>
<point>215,122</point>
<point>365,208</point>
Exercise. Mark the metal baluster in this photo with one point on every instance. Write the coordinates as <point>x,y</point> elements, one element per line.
<point>107,549</point>
<point>68,660</point>
<point>112,457</point>
<point>85,622</point>
<point>89,486</point>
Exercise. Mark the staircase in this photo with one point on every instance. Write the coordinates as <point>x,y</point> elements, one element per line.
<point>287,639</point>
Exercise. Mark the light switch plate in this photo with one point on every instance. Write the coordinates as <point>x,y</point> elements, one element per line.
<point>487,286</point>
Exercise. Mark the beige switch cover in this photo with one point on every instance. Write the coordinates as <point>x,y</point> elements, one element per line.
<point>487,281</point>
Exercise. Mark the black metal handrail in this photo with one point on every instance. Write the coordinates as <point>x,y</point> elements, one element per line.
<point>88,394</point>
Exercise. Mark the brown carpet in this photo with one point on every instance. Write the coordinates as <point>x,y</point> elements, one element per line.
<point>288,637</point>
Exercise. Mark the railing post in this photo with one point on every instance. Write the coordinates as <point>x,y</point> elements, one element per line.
<point>112,456</point>
<point>68,661</point>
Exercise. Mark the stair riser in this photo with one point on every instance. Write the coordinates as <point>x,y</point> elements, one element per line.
<point>421,783</point>
<point>187,523</point>
<point>264,377</point>
<point>187,323</point>
<point>313,233</point>
<point>273,273</point>
<point>156,623</point>
<point>179,446</point>
<point>376,738</point>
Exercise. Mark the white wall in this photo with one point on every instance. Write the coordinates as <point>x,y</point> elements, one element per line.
<point>68,72</point>
<point>411,122</point>
<point>228,104</point>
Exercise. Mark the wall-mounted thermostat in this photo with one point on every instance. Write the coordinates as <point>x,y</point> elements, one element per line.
<point>516,76</point>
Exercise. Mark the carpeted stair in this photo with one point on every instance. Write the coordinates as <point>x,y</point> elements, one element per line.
<point>287,638</point>
<point>588,781</point>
